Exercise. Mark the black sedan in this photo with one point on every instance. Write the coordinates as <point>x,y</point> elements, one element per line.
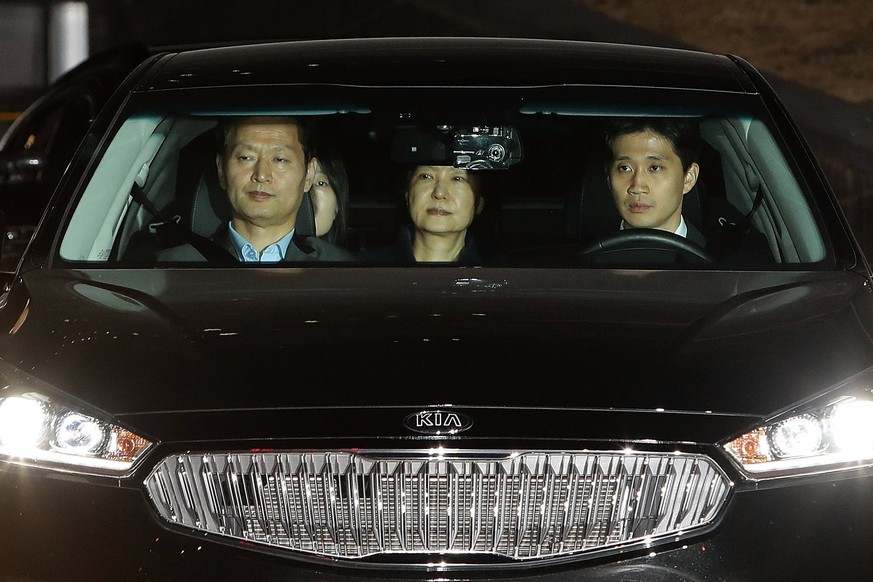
<point>579,312</point>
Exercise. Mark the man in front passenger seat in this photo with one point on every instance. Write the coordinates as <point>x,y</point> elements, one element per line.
<point>652,165</point>
<point>264,165</point>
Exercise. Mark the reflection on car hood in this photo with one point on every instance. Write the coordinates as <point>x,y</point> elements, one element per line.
<point>135,342</point>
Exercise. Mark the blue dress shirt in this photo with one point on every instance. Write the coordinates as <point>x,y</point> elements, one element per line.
<point>246,253</point>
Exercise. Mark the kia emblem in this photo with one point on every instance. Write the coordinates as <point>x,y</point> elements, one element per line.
<point>438,422</point>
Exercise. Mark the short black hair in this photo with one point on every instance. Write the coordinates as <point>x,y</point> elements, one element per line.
<point>226,124</point>
<point>683,133</point>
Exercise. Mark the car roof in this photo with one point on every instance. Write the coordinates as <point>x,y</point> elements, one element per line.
<point>450,62</point>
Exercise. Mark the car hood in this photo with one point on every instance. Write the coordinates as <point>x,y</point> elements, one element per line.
<point>145,344</point>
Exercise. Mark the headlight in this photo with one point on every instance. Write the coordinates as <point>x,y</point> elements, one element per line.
<point>37,431</point>
<point>830,437</point>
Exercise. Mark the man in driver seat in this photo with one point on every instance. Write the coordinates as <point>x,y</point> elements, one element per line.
<point>652,165</point>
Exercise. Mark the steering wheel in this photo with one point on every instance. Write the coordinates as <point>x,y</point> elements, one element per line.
<point>648,244</point>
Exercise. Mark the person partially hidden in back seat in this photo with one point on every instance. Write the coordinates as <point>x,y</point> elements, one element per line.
<point>265,166</point>
<point>651,166</point>
<point>330,196</point>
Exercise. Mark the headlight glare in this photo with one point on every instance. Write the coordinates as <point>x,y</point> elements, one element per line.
<point>852,425</point>
<point>23,422</point>
<point>828,438</point>
<point>36,431</point>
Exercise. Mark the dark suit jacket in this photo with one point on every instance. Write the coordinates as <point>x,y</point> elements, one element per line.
<point>695,235</point>
<point>301,248</point>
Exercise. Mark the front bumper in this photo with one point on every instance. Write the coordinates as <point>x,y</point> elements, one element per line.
<point>59,527</point>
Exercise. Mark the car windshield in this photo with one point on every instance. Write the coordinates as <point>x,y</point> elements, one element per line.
<point>540,183</point>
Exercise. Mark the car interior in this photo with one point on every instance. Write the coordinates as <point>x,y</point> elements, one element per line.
<point>547,198</point>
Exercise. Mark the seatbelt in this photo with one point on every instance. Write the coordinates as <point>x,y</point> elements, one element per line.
<point>754,182</point>
<point>732,233</point>
<point>212,251</point>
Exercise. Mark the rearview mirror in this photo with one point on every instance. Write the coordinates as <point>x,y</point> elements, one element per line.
<point>480,147</point>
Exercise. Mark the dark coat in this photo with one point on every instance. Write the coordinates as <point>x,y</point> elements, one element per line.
<point>401,250</point>
<point>301,248</point>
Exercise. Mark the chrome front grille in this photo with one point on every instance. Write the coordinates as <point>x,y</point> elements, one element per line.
<point>350,505</point>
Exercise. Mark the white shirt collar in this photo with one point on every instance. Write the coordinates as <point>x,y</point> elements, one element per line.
<point>682,230</point>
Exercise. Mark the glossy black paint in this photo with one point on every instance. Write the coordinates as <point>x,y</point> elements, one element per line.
<point>420,336</point>
<point>339,357</point>
<point>466,62</point>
